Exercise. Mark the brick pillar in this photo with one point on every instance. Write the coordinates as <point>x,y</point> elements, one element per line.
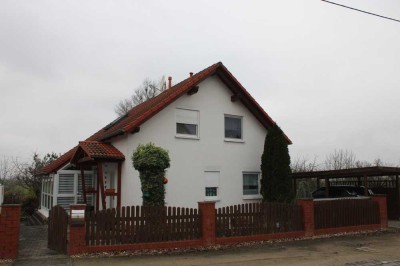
<point>308,215</point>
<point>381,200</point>
<point>77,231</point>
<point>9,230</point>
<point>207,216</point>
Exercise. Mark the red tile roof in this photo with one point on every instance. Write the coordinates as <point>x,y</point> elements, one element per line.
<point>144,111</point>
<point>98,151</point>
<point>57,164</point>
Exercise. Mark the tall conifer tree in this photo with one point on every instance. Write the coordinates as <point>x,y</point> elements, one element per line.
<point>276,181</point>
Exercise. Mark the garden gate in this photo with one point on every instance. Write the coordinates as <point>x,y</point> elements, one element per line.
<point>57,229</point>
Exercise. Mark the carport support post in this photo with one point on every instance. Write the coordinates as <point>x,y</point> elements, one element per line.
<point>365,185</point>
<point>381,200</point>
<point>77,232</point>
<point>208,219</point>
<point>327,187</point>
<point>308,215</point>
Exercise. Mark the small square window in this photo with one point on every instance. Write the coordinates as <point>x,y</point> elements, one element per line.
<point>211,191</point>
<point>233,127</point>
<point>211,185</point>
<point>250,184</point>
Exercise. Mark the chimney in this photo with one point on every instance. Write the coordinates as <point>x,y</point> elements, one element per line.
<point>169,82</point>
<point>190,74</point>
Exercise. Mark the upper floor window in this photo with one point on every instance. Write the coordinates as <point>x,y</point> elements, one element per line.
<point>233,127</point>
<point>187,123</point>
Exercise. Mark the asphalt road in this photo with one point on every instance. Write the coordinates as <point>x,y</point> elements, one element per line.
<point>377,249</point>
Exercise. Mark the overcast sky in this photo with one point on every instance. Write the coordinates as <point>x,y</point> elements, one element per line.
<point>328,75</point>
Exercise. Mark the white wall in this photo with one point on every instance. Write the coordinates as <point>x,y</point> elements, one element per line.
<point>190,157</point>
<point>1,194</point>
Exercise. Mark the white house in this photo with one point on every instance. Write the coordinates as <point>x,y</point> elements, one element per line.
<point>212,127</point>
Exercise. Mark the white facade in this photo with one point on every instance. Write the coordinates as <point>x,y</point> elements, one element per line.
<point>202,159</point>
<point>193,158</point>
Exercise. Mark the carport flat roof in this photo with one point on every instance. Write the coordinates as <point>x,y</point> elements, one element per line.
<point>349,173</point>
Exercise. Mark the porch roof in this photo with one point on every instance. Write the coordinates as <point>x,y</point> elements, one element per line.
<point>96,151</point>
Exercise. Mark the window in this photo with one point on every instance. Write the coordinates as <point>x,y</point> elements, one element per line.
<point>211,191</point>
<point>187,129</point>
<point>251,184</point>
<point>66,184</point>
<point>187,123</point>
<point>47,193</point>
<point>211,180</point>
<point>233,127</point>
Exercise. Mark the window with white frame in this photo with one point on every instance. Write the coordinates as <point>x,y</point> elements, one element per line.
<point>187,123</point>
<point>66,189</point>
<point>251,184</point>
<point>47,193</point>
<point>211,185</point>
<point>233,127</point>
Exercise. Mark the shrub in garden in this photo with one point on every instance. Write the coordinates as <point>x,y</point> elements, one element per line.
<point>30,205</point>
<point>151,162</point>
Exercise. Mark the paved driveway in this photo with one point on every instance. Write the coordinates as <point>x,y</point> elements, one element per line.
<point>33,249</point>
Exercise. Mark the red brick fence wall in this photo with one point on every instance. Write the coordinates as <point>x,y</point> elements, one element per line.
<point>9,230</point>
<point>117,230</point>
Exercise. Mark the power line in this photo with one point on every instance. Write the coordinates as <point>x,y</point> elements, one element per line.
<point>369,13</point>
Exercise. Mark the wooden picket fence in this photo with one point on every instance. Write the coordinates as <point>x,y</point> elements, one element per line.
<point>345,212</point>
<point>139,224</point>
<point>258,218</point>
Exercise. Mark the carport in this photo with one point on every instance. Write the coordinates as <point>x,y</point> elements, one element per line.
<point>380,179</point>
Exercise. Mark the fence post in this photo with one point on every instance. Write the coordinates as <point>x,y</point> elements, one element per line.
<point>308,215</point>
<point>207,216</point>
<point>9,230</point>
<point>77,232</point>
<point>381,200</point>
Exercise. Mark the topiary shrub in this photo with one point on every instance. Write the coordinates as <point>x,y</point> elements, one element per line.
<point>151,162</point>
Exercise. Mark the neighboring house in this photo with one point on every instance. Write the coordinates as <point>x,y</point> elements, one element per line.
<point>212,127</point>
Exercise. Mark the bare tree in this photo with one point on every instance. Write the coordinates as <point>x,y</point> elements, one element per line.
<point>27,173</point>
<point>305,186</point>
<point>340,159</point>
<point>304,165</point>
<point>146,91</point>
<point>6,169</point>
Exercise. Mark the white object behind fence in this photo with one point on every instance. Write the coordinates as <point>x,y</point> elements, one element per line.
<point>1,194</point>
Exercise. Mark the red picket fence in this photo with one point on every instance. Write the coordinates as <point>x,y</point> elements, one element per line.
<point>136,228</point>
<point>345,212</point>
<point>258,218</point>
<point>139,224</point>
